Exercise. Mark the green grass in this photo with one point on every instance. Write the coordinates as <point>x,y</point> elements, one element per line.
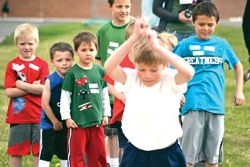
<point>237,126</point>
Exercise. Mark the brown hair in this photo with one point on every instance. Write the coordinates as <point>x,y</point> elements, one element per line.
<point>111,2</point>
<point>207,9</point>
<point>129,29</point>
<point>84,37</point>
<point>61,47</point>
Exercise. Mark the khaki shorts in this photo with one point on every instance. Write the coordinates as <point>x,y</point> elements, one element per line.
<point>202,136</point>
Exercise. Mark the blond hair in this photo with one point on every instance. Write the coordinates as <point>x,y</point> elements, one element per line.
<point>142,52</point>
<point>169,39</point>
<point>26,30</point>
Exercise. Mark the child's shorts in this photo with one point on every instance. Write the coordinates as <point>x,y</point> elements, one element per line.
<point>109,131</point>
<point>202,136</point>
<point>24,139</point>
<point>169,156</point>
<point>53,142</point>
<point>122,139</point>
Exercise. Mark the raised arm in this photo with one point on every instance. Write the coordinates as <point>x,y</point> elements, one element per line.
<point>112,63</point>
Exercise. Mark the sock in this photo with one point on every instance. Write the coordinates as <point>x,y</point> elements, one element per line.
<point>43,163</point>
<point>114,162</point>
<point>63,163</point>
<point>108,159</point>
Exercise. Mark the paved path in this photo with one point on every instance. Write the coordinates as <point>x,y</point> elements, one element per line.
<point>8,25</point>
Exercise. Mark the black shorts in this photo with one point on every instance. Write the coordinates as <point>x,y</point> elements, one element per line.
<point>109,131</point>
<point>53,142</point>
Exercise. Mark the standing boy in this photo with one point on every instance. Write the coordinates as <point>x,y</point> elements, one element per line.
<point>110,36</point>
<point>85,105</point>
<point>203,124</point>
<point>54,131</point>
<point>153,93</point>
<point>24,82</point>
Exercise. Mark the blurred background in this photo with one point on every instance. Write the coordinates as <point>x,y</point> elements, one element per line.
<point>85,9</point>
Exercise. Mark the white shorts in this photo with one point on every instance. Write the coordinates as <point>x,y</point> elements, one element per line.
<point>202,136</point>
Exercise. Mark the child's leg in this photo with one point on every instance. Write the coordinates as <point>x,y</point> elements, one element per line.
<point>214,138</point>
<point>112,146</point>
<point>35,160</point>
<point>60,144</point>
<point>43,163</point>
<point>47,147</point>
<point>77,139</point>
<point>193,136</point>
<point>95,149</point>
<point>63,163</point>
<point>35,143</point>
<point>22,139</point>
<point>15,161</point>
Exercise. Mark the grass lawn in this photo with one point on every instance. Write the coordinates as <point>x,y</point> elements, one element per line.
<point>237,126</point>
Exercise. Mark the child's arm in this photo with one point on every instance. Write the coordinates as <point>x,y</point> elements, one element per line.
<point>117,94</point>
<point>65,109</point>
<point>57,125</point>
<point>111,65</point>
<point>15,92</point>
<point>106,102</point>
<point>185,71</point>
<point>34,88</point>
<point>239,97</point>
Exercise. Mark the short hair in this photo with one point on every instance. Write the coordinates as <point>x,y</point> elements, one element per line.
<point>111,2</point>
<point>206,8</point>
<point>142,52</point>
<point>129,30</point>
<point>84,37</point>
<point>169,39</point>
<point>61,47</point>
<point>26,30</point>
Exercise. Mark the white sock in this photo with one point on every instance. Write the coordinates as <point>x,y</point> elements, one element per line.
<point>63,163</point>
<point>43,163</point>
<point>108,159</point>
<point>114,162</point>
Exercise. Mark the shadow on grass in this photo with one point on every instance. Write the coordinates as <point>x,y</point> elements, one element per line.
<point>1,87</point>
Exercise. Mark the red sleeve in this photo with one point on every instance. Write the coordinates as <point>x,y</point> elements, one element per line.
<point>44,72</point>
<point>108,79</point>
<point>10,76</point>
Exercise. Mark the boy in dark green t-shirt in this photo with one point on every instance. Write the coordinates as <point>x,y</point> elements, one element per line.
<point>85,105</point>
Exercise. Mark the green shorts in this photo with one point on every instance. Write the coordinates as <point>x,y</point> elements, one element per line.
<point>202,136</point>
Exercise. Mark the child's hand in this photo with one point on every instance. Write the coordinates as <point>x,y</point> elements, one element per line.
<point>239,98</point>
<point>122,97</point>
<point>71,123</point>
<point>183,100</point>
<point>105,121</point>
<point>152,36</point>
<point>19,84</point>
<point>57,125</point>
<point>140,28</point>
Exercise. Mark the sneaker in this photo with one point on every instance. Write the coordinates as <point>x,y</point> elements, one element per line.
<point>247,76</point>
